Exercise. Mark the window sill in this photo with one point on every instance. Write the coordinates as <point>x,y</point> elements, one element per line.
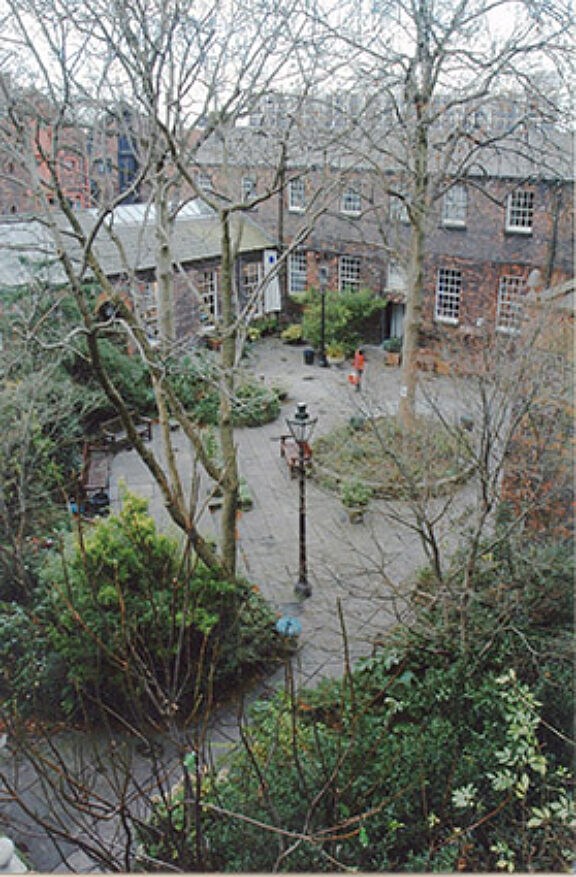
<point>454,223</point>
<point>521,231</point>
<point>296,209</point>
<point>448,321</point>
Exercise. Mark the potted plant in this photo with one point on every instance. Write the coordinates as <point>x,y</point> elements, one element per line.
<point>393,349</point>
<point>355,496</point>
<point>292,334</point>
<point>335,354</point>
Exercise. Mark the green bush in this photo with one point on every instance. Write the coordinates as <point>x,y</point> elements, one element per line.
<point>409,765</point>
<point>195,383</point>
<point>292,334</point>
<point>128,373</point>
<point>31,673</point>
<point>392,345</point>
<point>346,315</point>
<point>355,493</point>
<point>430,756</point>
<point>130,622</point>
<point>267,325</point>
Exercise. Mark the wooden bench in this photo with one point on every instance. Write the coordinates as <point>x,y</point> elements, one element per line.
<point>291,452</point>
<point>95,478</point>
<point>115,435</point>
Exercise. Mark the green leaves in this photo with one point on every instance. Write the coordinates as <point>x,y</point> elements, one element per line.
<point>131,617</point>
<point>347,314</point>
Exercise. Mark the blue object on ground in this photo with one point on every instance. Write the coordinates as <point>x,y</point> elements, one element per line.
<point>288,626</point>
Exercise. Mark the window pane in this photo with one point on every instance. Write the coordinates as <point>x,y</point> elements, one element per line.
<point>252,273</point>
<point>248,188</point>
<point>399,211</point>
<point>396,278</point>
<point>296,195</point>
<point>454,206</point>
<point>448,291</point>
<point>204,183</point>
<point>509,312</point>
<point>208,288</point>
<point>297,272</point>
<point>351,201</point>
<point>520,211</point>
<point>349,273</point>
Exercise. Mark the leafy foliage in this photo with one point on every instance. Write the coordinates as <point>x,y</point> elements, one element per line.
<point>41,413</point>
<point>134,626</point>
<point>196,384</point>
<point>128,373</point>
<point>428,757</point>
<point>346,315</point>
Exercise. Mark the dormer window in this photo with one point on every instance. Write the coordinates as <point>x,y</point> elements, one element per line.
<point>454,207</point>
<point>297,195</point>
<point>351,199</point>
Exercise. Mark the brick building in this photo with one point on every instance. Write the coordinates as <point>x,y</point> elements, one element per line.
<point>538,479</point>
<point>126,249</point>
<point>313,180</point>
<point>511,213</point>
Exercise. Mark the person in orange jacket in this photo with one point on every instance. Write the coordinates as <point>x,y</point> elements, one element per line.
<point>359,367</point>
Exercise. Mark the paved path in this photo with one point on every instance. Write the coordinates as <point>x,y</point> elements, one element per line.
<point>353,564</point>
<point>366,568</point>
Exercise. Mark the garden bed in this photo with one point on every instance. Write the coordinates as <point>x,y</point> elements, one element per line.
<point>393,463</point>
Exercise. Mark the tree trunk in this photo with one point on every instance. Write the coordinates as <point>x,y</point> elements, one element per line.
<point>412,322</point>
<point>164,268</point>
<point>226,430</point>
<point>413,314</point>
<point>418,90</point>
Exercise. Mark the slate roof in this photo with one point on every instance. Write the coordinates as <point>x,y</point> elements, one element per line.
<point>125,243</point>
<point>546,155</point>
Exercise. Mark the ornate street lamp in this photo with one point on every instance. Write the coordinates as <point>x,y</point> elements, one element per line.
<point>323,277</point>
<point>301,427</point>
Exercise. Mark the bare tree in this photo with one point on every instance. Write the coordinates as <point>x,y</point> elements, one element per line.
<point>166,79</point>
<point>446,89</point>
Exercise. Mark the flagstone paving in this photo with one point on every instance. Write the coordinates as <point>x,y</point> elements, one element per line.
<point>350,566</point>
<point>360,574</point>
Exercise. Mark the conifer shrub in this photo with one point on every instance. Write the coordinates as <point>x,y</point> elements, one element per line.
<point>133,625</point>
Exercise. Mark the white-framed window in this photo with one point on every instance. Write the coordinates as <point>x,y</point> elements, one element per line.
<point>207,282</point>
<point>396,277</point>
<point>75,200</point>
<point>351,199</point>
<point>204,182</point>
<point>448,295</point>
<point>248,188</point>
<point>349,273</point>
<point>520,211</point>
<point>455,206</point>
<point>252,276</point>
<point>399,211</point>
<point>511,290</point>
<point>297,195</point>
<point>297,272</point>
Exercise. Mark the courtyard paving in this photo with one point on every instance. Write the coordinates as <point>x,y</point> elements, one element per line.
<point>358,572</point>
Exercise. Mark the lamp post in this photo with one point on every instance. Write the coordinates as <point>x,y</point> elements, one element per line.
<point>323,277</point>
<point>301,427</point>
